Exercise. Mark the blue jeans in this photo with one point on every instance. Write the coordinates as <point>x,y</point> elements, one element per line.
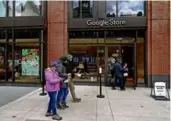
<point>63,93</point>
<point>52,102</point>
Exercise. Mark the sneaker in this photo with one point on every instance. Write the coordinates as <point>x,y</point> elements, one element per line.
<point>113,88</point>
<point>65,106</point>
<point>56,117</point>
<point>76,100</point>
<point>122,89</point>
<point>60,106</point>
<point>49,114</point>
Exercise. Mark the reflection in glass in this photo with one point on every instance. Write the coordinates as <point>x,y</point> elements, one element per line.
<point>2,62</point>
<point>10,8</point>
<point>2,56</point>
<point>131,8</point>
<point>10,63</point>
<point>83,9</point>
<point>76,9</point>
<point>111,8</point>
<point>87,9</point>
<point>2,8</point>
<point>27,8</point>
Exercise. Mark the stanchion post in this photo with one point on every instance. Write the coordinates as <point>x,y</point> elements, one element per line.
<point>41,64</point>
<point>43,90</point>
<point>100,95</point>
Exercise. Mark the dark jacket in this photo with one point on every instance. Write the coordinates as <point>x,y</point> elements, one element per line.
<point>69,68</point>
<point>61,69</point>
<point>118,70</point>
<point>111,69</point>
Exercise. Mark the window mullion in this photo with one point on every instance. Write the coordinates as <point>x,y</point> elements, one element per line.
<point>13,8</point>
<point>80,9</point>
<point>117,9</point>
<point>7,8</point>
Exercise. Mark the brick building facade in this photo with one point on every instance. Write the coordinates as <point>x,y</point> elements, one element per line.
<point>158,36</point>
<point>158,40</point>
<point>34,33</point>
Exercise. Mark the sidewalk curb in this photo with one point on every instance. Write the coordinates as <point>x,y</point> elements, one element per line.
<point>19,99</point>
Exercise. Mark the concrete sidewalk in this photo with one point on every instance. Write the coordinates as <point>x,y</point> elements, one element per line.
<point>129,105</point>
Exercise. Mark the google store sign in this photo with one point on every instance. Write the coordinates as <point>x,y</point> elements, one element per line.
<point>110,22</point>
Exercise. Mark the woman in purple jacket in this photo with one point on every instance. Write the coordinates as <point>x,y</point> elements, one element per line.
<point>52,87</point>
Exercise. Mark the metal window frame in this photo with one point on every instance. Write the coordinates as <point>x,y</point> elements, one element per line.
<point>6,9</point>
<point>80,5</point>
<point>134,44</point>
<point>42,44</point>
<point>117,10</point>
<point>43,9</point>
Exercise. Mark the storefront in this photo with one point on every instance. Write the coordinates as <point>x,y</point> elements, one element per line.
<point>137,31</point>
<point>93,48</point>
<point>23,41</point>
<point>95,39</point>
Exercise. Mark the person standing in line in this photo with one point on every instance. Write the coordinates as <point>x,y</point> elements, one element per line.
<point>111,65</point>
<point>52,87</point>
<point>63,92</point>
<point>125,74</point>
<point>71,74</point>
<point>119,70</point>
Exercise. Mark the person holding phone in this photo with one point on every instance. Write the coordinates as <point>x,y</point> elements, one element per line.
<point>52,87</point>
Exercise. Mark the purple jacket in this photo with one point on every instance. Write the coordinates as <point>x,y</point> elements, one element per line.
<point>52,80</point>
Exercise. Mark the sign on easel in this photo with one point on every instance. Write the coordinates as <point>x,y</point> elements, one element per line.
<point>160,91</point>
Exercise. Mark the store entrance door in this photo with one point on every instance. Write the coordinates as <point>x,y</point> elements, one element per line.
<point>125,54</point>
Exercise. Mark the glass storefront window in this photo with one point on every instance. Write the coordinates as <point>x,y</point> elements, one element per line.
<point>2,56</point>
<point>10,8</point>
<point>2,8</point>
<point>10,62</point>
<point>30,62</point>
<point>87,9</point>
<point>27,58</point>
<point>28,8</point>
<point>2,61</point>
<point>131,8</point>
<point>20,61</point>
<point>110,8</point>
<point>84,62</point>
<point>76,9</point>
<point>82,9</point>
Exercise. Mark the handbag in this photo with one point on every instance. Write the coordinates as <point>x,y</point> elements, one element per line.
<point>125,74</point>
